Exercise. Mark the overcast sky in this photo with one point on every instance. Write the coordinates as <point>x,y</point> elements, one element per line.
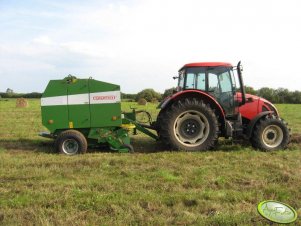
<point>142,43</point>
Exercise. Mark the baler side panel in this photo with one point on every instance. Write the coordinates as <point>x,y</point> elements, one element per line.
<point>78,104</point>
<point>105,104</point>
<point>54,106</point>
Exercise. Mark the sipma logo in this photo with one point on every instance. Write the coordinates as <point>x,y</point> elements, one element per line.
<point>277,212</point>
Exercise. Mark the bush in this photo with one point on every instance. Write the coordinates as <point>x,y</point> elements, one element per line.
<point>168,92</point>
<point>148,95</point>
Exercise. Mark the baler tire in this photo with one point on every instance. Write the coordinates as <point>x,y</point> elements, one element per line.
<point>265,134</point>
<point>74,136</point>
<point>173,125</point>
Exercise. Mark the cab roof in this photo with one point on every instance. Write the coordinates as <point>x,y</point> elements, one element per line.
<point>207,64</point>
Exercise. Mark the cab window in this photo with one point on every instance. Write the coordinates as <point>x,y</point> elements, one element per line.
<point>225,82</point>
<point>201,81</point>
<point>190,81</point>
<point>213,84</point>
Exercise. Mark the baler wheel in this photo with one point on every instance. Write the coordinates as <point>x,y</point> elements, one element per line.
<point>271,133</point>
<point>189,125</point>
<point>71,142</point>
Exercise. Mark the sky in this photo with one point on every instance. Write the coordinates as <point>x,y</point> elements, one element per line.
<point>142,43</point>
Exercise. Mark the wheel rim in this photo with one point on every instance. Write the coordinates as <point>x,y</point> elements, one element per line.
<point>272,136</point>
<point>70,147</point>
<point>191,128</point>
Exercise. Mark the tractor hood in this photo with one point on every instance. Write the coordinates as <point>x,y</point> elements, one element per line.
<point>251,98</point>
<point>254,105</point>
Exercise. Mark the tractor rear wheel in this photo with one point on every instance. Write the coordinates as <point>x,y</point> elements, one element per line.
<point>188,125</point>
<point>271,133</point>
<point>71,142</point>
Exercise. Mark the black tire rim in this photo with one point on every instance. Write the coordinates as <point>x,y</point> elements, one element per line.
<point>191,128</point>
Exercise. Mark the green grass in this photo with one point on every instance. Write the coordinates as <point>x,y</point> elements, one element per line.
<point>291,113</point>
<point>152,186</point>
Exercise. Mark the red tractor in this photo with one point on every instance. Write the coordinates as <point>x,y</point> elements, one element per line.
<point>209,104</point>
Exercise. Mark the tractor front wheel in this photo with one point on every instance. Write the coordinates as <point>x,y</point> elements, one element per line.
<point>271,133</point>
<point>189,125</point>
<point>71,142</point>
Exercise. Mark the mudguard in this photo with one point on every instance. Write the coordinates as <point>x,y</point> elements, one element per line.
<point>200,95</point>
<point>253,122</point>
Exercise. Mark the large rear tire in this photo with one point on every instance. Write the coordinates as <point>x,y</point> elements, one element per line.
<point>271,133</point>
<point>188,125</point>
<point>71,142</point>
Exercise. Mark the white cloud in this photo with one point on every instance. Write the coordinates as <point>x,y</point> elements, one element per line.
<point>43,39</point>
<point>86,49</point>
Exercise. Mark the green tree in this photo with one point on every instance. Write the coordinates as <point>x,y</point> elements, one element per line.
<point>148,94</point>
<point>9,92</point>
<point>250,90</point>
<point>281,95</point>
<point>295,97</point>
<point>267,93</point>
<point>168,92</point>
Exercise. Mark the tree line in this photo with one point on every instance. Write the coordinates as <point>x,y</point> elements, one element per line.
<point>280,95</point>
<point>11,94</point>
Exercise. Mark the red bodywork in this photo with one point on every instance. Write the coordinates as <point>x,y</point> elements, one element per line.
<point>254,106</point>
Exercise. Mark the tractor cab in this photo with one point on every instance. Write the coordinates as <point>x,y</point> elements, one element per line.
<point>215,79</point>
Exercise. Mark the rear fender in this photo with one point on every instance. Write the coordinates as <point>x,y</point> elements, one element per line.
<point>253,122</point>
<point>199,95</point>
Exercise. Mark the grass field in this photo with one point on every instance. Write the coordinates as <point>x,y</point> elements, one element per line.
<point>152,186</point>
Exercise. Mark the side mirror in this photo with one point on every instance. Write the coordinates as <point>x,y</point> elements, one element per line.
<point>175,77</point>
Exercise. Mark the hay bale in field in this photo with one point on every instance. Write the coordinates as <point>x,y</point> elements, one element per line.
<point>142,101</point>
<point>21,103</point>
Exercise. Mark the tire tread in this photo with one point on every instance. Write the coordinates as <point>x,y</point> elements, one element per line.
<point>165,134</point>
<point>73,134</point>
<point>255,139</point>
